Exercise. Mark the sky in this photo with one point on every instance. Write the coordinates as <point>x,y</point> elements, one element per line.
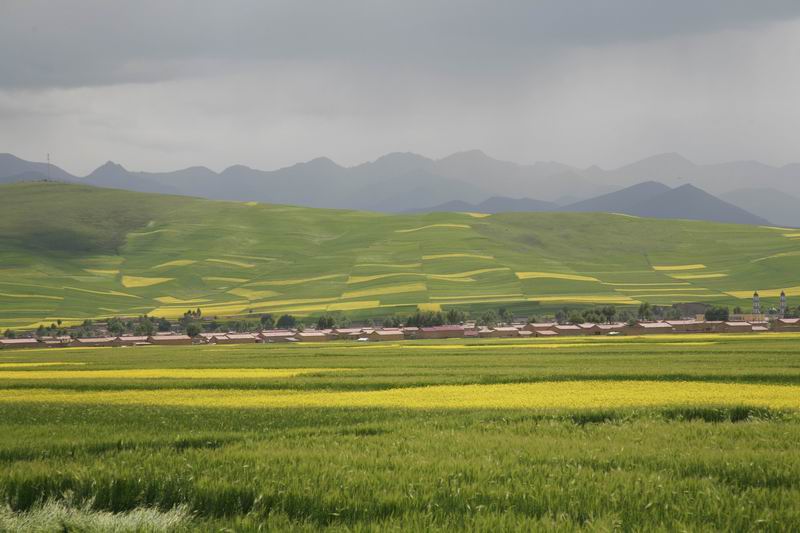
<point>166,84</point>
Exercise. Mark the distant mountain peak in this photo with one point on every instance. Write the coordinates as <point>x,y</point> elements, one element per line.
<point>668,157</point>
<point>108,169</point>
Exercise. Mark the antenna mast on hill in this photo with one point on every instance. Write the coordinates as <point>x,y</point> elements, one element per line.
<point>48,166</point>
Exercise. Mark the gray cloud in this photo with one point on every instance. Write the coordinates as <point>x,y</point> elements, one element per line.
<point>161,84</point>
<point>46,43</point>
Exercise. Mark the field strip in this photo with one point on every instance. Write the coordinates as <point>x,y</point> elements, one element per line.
<point>178,301</point>
<point>458,226</point>
<point>776,256</point>
<point>767,293</point>
<point>252,294</point>
<point>297,281</point>
<point>29,365</point>
<point>225,280</point>
<point>387,265</point>
<point>101,272</point>
<point>177,262</point>
<point>542,395</point>
<point>352,306</point>
<point>136,281</point>
<point>155,231</point>
<point>554,275</point>
<point>598,299</point>
<point>696,266</point>
<point>458,276</point>
<point>253,257</point>
<point>456,255</point>
<point>468,273</point>
<point>392,289</point>
<point>698,276</point>
<point>777,228</point>
<point>477,297</point>
<point>791,235</point>
<point>670,283</point>
<point>41,296</point>
<point>104,293</point>
<point>674,289</point>
<point>374,277</point>
<point>675,295</point>
<point>231,262</point>
<point>166,373</point>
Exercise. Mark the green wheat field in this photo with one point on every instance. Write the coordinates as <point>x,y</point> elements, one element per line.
<point>71,253</point>
<point>695,433</point>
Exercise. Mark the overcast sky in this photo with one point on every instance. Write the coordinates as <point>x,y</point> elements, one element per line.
<point>162,84</point>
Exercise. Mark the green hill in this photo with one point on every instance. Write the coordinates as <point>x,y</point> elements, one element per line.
<point>72,252</point>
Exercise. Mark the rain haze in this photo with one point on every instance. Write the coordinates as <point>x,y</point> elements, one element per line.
<point>164,85</point>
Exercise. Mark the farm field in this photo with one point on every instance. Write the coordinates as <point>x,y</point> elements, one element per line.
<point>692,432</point>
<point>72,252</point>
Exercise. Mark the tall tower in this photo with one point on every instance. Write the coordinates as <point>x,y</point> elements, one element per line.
<point>783,304</point>
<point>756,304</point>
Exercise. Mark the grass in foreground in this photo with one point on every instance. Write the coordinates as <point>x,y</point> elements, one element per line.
<point>589,462</point>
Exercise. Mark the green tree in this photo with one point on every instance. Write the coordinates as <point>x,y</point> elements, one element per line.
<point>116,326</point>
<point>267,322</point>
<point>326,322</point>
<point>426,319</point>
<point>286,322</point>
<point>193,329</point>
<point>454,316</point>
<point>645,311</point>
<point>717,313</point>
<point>10,334</point>
<point>488,319</point>
<point>393,321</point>
<point>609,312</point>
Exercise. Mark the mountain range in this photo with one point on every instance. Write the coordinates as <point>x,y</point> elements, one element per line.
<point>470,180</point>
<point>647,199</point>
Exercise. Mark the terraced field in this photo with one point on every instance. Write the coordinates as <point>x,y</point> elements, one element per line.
<point>71,252</point>
<point>695,432</point>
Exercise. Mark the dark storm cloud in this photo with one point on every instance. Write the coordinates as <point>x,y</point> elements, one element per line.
<point>98,42</point>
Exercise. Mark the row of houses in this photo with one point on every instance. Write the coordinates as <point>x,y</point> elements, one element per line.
<point>167,339</point>
<point>544,329</point>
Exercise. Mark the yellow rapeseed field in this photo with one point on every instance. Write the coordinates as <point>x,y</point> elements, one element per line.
<point>251,294</point>
<point>178,301</point>
<point>177,262</point>
<point>555,275</point>
<point>698,276</point>
<point>538,396</point>
<point>696,266</point>
<point>766,293</point>
<point>231,262</point>
<point>136,281</point>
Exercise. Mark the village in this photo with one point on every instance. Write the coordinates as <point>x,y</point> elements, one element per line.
<point>741,323</point>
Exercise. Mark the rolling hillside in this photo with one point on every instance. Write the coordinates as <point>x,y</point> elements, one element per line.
<point>72,252</point>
